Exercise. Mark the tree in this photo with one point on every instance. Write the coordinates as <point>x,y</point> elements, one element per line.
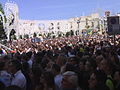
<point>87,26</point>
<point>26,36</point>
<point>53,36</point>
<point>12,33</point>
<point>14,37</point>
<point>71,32</point>
<point>2,31</point>
<point>1,8</point>
<point>34,35</point>
<point>59,35</point>
<point>76,32</point>
<point>40,34</point>
<point>48,35</point>
<point>67,34</point>
<point>20,36</point>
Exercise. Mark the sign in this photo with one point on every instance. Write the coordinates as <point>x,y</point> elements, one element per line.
<point>113,23</point>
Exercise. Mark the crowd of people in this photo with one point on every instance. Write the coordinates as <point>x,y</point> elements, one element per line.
<point>65,63</point>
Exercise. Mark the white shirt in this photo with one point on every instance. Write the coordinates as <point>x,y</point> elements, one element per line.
<point>119,57</point>
<point>30,62</point>
<point>5,77</point>
<point>58,79</point>
<point>19,80</point>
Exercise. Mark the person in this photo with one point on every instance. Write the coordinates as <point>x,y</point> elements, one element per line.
<point>58,76</point>
<point>5,77</point>
<point>17,78</point>
<point>117,79</point>
<point>106,66</point>
<point>69,81</point>
<point>2,52</point>
<point>47,80</point>
<point>97,81</point>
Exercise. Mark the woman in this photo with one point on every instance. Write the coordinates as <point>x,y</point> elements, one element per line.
<point>117,79</point>
<point>97,81</point>
<point>47,81</point>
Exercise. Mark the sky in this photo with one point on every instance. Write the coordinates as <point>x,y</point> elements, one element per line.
<point>62,9</point>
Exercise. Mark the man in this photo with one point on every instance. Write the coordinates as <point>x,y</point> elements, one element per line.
<point>18,78</point>
<point>69,81</point>
<point>58,76</point>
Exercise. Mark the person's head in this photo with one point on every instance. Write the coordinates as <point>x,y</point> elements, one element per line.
<point>13,87</point>
<point>69,80</point>
<point>36,70</point>
<point>73,60</point>
<point>79,54</point>
<point>99,59</point>
<point>117,76</point>
<point>114,57</point>
<point>56,69</point>
<point>61,60</point>
<point>103,64</point>
<point>47,78</point>
<point>29,54</point>
<point>82,65</point>
<point>87,65</point>
<point>97,78</point>
<point>106,66</point>
<point>14,66</point>
<point>90,65</point>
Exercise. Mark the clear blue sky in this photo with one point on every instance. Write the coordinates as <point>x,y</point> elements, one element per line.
<point>62,9</point>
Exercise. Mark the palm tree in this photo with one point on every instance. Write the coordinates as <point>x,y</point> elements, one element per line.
<point>2,32</point>
<point>1,8</point>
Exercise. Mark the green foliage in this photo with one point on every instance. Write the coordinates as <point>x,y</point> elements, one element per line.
<point>13,37</point>
<point>53,36</point>
<point>48,35</point>
<point>2,32</point>
<point>76,32</point>
<point>71,32</point>
<point>26,36</point>
<point>12,34</point>
<point>20,36</point>
<point>1,8</point>
<point>59,35</point>
<point>40,34</point>
<point>67,34</point>
<point>34,35</point>
<point>87,26</point>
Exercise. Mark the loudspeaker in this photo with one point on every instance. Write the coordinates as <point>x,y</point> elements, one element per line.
<point>113,24</point>
<point>112,20</point>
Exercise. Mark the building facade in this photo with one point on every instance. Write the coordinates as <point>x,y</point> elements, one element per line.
<point>77,24</point>
<point>29,27</point>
